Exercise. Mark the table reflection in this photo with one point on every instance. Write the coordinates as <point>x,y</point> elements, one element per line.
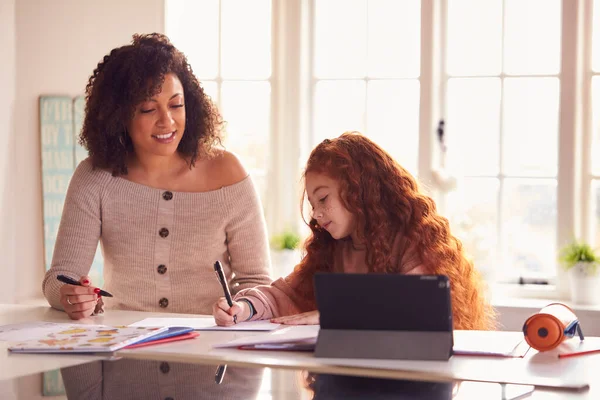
<point>142,379</point>
<point>324,386</point>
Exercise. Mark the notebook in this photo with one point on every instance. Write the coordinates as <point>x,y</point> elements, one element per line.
<point>75,338</point>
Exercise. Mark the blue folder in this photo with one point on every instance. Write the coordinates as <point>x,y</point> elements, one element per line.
<point>173,331</point>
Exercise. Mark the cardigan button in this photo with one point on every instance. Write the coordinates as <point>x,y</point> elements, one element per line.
<point>163,232</point>
<point>163,303</point>
<point>164,367</point>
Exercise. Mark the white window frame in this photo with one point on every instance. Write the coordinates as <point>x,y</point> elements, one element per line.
<point>501,176</point>
<point>574,178</point>
<point>292,93</point>
<point>587,124</point>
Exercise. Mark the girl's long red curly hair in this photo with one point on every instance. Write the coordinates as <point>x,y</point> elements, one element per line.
<point>385,199</point>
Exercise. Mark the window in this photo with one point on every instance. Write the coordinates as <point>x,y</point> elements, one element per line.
<point>502,109</point>
<point>366,67</point>
<point>228,45</point>
<point>506,82</point>
<point>595,150</point>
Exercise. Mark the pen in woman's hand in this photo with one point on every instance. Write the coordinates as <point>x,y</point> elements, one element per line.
<point>70,281</point>
<point>223,281</point>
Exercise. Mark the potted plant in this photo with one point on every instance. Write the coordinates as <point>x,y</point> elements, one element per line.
<point>285,252</point>
<point>581,262</point>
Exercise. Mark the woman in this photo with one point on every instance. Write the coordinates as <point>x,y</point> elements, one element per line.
<point>158,191</point>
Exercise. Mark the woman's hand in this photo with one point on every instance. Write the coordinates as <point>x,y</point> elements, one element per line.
<point>307,318</point>
<point>79,301</point>
<point>224,314</point>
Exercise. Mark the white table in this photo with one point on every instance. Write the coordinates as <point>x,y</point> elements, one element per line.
<point>541,369</point>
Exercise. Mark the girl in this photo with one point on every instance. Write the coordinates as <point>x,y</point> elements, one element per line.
<point>368,215</point>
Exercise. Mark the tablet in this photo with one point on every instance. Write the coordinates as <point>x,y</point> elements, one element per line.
<point>384,302</point>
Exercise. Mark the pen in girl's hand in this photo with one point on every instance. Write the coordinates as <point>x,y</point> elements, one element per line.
<point>220,373</point>
<point>70,281</point>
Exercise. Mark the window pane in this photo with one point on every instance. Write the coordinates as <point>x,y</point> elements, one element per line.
<point>596,37</point>
<point>529,227</point>
<point>474,37</point>
<point>193,26</point>
<point>246,108</point>
<point>473,213</point>
<point>473,125</point>
<point>340,38</point>
<point>211,89</point>
<point>246,36</point>
<point>400,20</point>
<point>339,107</point>
<point>532,44</point>
<point>531,126</point>
<point>596,211</point>
<point>596,124</point>
<point>393,119</point>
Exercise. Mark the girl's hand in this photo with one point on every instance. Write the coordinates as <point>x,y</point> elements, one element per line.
<point>307,318</point>
<point>224,314</point>
<point>79,301</point>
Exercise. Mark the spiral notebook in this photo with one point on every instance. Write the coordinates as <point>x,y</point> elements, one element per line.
<point>72,338</point>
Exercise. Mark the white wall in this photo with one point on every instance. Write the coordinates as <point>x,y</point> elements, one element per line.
<point>7,150</point>
<point>58,44</point>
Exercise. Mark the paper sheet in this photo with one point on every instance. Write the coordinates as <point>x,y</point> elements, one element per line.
<point>299,333</point>
<point>574,345</point>
<point>505,344</point>
<point>207,324</point>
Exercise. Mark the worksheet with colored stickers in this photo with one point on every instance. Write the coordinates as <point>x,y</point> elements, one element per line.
<point>72,338</point>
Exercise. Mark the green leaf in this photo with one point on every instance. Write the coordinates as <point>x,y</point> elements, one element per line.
<point>286,240</point>
<point>576,252</point>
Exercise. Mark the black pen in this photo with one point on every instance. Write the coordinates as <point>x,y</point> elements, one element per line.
<point>220,373</point>
<point>221,277</point>
<point>70,281</point>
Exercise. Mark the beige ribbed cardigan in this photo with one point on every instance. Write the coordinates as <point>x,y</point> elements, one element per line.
<point>145,231</point>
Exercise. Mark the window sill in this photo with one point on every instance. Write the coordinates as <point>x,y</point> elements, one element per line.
<point>532,296</point>
<point>515,303</point>
<point>511,292</point>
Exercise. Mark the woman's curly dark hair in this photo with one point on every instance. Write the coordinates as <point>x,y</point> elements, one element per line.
<point>130,75</point>
<point>385,199</point>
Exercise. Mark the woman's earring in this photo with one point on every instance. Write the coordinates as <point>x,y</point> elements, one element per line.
<point>122,139</point>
